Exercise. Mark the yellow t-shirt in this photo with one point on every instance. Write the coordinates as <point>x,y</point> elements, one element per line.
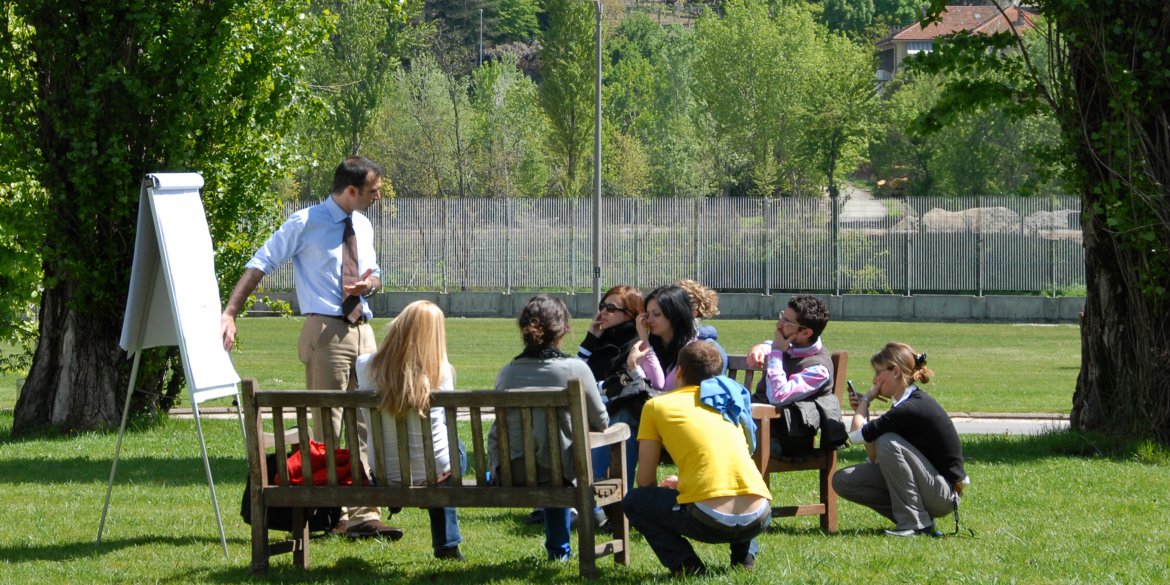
<point>711,453</point>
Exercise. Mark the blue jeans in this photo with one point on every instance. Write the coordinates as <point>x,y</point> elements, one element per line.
<point>656,513</point>
<point>556,533</point>
<point>602,457</point>
<point>444,522</point>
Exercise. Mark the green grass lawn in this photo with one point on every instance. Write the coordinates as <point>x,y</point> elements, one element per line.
<point>1050,509</point>
<point>979,368</point>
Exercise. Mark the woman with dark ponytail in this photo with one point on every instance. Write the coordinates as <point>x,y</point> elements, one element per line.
<point>914,467</point>
<point>543,322</point>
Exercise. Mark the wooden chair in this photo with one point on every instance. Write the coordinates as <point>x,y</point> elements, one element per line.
<point>821,460</point>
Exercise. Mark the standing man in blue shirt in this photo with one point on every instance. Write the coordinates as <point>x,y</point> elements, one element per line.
<point>331,246</point>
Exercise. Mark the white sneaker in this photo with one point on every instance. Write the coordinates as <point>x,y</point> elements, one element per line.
<point>927,531</point>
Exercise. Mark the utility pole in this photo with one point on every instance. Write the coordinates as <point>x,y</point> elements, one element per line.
<point>597,168</point>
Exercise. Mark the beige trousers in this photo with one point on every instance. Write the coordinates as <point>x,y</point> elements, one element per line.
<point>329,347</point>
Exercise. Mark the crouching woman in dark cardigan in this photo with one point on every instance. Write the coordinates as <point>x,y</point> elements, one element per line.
<point>914,468</point>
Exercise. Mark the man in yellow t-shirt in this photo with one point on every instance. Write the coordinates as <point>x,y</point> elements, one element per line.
<point>718,495</point>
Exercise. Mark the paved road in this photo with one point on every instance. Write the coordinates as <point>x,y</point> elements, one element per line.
<point>967,423</point>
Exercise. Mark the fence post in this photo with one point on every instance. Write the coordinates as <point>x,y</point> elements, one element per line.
<point>573,245</point>
<point>836,246</point>
<point>1052,244</point>
<point>637,242</point>
<point>906,249</point>
<point>695,238</point>
<point>979,245</point>
<point>769,243</point>
<point>446,256</point>
<point>508,246</point>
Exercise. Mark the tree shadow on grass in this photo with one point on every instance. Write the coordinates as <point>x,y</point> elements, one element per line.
<point>1045,445</point>
<point>90,550</point>
<point>169,471</point>
<point>353,569</point>
<point>1058,443</point>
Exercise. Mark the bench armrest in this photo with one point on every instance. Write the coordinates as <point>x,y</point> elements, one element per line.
<point>616,433</point>
<point>765,411</point>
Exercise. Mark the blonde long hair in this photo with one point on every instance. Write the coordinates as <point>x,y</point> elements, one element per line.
<point>409,363</point>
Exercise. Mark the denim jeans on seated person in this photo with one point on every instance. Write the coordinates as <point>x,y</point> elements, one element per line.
<point>444,522</point>
<point>655,512</point>
<point>557,521</point>
<point>601,455</point>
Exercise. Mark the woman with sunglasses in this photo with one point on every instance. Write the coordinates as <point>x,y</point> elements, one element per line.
<point>611,334</point>
<point>605,348</point>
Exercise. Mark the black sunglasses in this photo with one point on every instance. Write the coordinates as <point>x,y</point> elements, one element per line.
<point>610,308</point>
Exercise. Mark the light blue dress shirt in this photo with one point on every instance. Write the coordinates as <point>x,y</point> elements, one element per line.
<point>312,239</point>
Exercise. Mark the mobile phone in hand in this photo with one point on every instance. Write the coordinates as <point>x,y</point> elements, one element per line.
<point>852,392</point>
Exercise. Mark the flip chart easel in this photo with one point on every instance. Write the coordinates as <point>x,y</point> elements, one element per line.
<point>174,300</point>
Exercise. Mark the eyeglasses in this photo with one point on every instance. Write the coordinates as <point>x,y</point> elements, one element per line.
<point>793,323</point>
<point>610,308</point>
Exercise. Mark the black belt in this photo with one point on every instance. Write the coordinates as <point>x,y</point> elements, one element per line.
<point>360,320</point>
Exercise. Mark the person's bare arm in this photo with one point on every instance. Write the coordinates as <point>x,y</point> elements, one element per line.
<point>648,454</point>
<point>244,288</point>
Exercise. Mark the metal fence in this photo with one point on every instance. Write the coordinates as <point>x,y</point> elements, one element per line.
<point>904,246</point>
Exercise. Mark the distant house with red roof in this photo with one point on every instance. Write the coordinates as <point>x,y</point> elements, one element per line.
<point>977,19</point>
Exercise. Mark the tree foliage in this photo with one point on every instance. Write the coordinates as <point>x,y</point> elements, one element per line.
<point>348,79</point>
<point>789,102</point>
<point>567,89</point>
<point>507,139</point>
<point>98,95</point>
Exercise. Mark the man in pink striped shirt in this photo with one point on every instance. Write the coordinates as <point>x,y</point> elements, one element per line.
<point>797,366</point>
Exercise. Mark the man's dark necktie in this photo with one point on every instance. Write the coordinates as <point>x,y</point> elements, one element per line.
<point>351,305</point>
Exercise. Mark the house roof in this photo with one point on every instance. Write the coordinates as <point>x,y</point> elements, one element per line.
<point>976,19</point>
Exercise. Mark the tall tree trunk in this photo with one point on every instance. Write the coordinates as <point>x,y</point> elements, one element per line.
<point>79,374</point>
<point>1124,384</point>
<point>1118,129</point>
<point>71,385</point>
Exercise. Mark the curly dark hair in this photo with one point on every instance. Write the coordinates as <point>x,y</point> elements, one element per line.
<point>544,320</point>
<point>811,312</point>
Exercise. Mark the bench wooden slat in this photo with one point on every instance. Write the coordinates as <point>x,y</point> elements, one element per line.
<point>528,446</point>
<point>381,474</point>
<point>302,430</point>
<point>554,442</point>
<point>477,438</point>
<point>329,436</point>
<point>452,419</point>
<point>281,444</point>
<point>505,453</point>
<point>353,443</point>
<point>428,440</point>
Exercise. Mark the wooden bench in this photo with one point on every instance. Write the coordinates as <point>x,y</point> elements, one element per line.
<point>821,460</point>
<point>271,488</point>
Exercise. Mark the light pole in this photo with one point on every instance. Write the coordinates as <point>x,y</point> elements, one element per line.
<point>597,168</point>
